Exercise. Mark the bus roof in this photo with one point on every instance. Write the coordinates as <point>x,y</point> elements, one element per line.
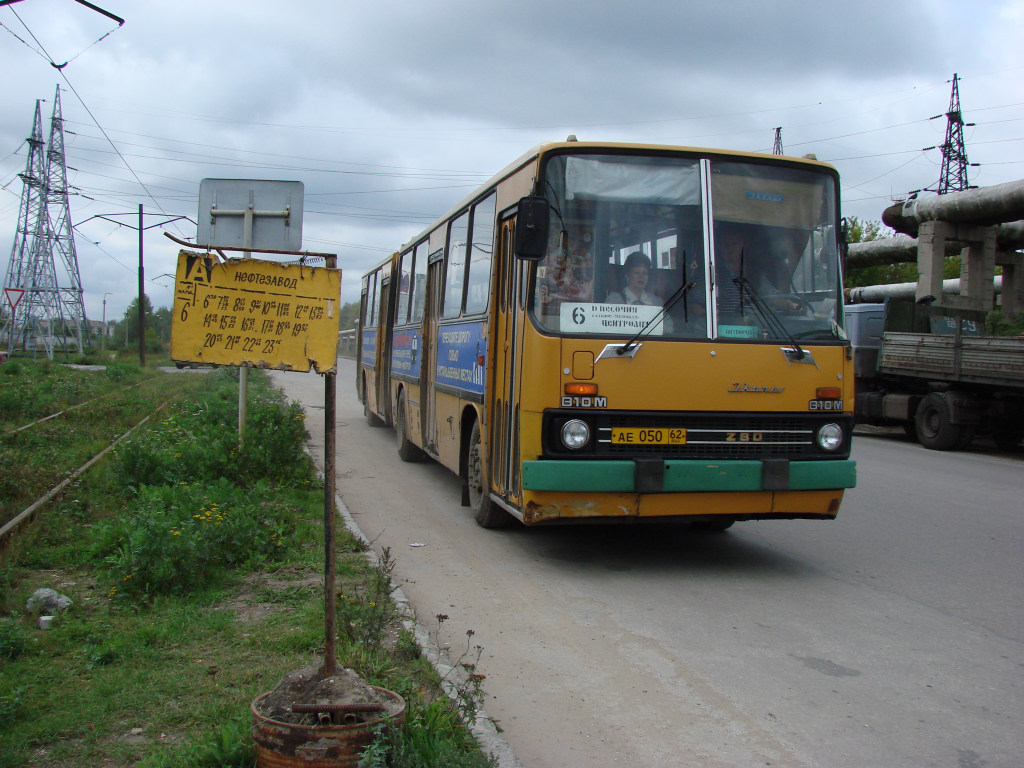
<point>592,146</point>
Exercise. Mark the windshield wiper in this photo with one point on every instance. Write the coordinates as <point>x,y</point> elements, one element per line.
<point>681,291</point>
<point>767,314</point>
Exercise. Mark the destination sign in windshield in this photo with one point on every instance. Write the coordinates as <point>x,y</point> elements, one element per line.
<point>609,318</point>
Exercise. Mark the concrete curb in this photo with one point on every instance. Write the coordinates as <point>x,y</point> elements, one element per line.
<point>452,678</point>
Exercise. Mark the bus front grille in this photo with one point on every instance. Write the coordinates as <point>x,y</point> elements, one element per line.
<point>703,436</point>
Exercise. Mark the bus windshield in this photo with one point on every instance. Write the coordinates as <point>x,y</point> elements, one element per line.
<point>689,248</point>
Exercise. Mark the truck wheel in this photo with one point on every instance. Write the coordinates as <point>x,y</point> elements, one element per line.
<point>407,451</point>
<point>935,428</point>
<point>488,514</point>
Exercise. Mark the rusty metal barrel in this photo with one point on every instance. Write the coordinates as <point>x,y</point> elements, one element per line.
<point>326,745</point>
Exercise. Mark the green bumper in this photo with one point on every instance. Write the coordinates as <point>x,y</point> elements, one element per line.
<point>688,476</point>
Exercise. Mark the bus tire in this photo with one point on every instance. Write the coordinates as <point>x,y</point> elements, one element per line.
<point>935,428</point>
<point>407,451</point>
<point>487,513</point>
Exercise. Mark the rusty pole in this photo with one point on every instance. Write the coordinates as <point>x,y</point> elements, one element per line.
<point>330,391</point>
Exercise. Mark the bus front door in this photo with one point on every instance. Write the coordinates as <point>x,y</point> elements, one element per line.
<point>504,393</point>
<point>428,409</point>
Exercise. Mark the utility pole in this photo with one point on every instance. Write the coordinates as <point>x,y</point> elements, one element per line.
<point>103,338</point>
<point>142,273</point>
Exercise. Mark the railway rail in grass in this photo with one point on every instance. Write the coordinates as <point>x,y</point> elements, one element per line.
<point>55,421</point>
<point>10,529</point>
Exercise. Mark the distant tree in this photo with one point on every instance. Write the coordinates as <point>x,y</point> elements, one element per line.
<point>349,316</point>
<point>863,231</point>
<point>131,318</point>
<point>163,323</point>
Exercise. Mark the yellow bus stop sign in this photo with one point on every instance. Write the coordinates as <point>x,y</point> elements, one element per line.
<point>255,313</point>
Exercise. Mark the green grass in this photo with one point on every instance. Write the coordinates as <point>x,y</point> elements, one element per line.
<point>195,567</point>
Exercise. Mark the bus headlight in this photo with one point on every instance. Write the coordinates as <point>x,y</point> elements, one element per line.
<point>830,437</point>
<point>575,434</point>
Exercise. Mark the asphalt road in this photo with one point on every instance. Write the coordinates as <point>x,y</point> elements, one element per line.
<point>889,637</point>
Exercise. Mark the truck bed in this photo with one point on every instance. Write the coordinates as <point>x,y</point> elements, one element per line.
<point>990,360</point>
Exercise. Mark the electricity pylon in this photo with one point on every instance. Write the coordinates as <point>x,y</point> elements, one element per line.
<point>46,312</point>
<point>953,176</point>
<point>777,148</point>
<point>62,238</point>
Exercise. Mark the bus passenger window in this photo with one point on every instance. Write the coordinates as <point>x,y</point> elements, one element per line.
<point>456,269</point>
<point>419,284</point>
<point>478,280</point>
<point>370,310</point>
<point>404,287</point>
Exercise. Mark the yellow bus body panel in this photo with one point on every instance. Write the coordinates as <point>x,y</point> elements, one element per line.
<point>729,378</point>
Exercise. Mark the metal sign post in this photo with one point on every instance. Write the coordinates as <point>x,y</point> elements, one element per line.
<point>228,217</point>
<point>262,313</point>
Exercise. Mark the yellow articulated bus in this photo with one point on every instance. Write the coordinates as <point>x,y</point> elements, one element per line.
<point>623,332</point>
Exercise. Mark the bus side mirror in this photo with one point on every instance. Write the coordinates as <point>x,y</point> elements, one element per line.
<point>532,228</point>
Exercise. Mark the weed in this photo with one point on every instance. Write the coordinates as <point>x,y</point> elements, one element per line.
<point>11,705</point>
<point>433,735</point>
<point>366,610</point>
<point>13,639</point>
<point>179,538</point>
<point>463,679</point>
<point>200,442</point>
<point>121,372</point>
<point>228,746</point>
<point>1000,323</point>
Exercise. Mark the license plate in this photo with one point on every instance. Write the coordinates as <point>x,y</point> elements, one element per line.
<point>648,436</point>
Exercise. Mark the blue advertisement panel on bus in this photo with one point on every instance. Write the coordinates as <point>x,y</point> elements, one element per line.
<point>369,345</point>
<point>461,350</point>
<point>405,353</point>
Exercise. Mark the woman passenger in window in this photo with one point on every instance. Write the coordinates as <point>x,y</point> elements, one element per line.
<point>638,271</point>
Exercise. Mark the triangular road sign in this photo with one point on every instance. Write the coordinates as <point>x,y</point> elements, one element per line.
<point>14,296</point>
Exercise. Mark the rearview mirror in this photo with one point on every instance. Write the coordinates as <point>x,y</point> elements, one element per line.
<point>532,228</point>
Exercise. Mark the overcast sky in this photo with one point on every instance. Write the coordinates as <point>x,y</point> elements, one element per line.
<point>391,112</point>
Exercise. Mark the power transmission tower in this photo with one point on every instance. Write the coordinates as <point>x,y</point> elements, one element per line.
<point>953,176</point>
<point>777,149</point>
<point>62,239</point>
<point>43,311</point>
<point>31,231</point>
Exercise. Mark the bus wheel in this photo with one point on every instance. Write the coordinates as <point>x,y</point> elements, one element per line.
<point>407,451</point>
<point>488,514</point>
<point>935,427</point>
